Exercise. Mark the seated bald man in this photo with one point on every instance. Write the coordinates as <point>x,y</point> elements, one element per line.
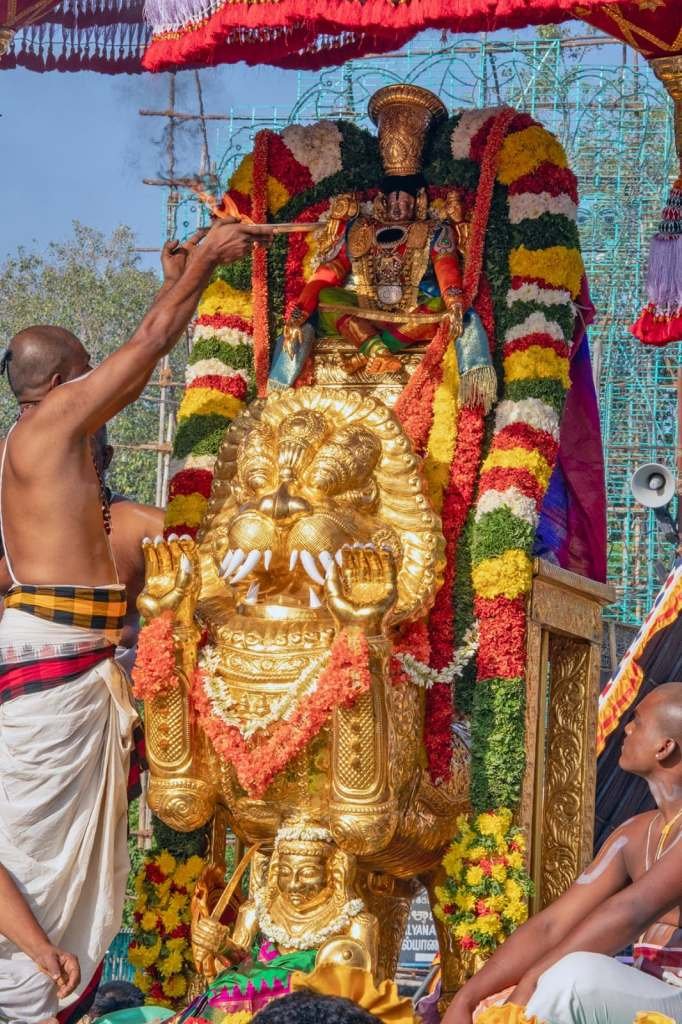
<point>65,716</point>
<point>559,964</point>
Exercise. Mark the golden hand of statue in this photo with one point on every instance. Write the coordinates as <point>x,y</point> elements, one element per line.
<point>363,591</point>
<point>172,579</point>
<point>293,339</point>
<point>211,945</point>
<point>454,317</point>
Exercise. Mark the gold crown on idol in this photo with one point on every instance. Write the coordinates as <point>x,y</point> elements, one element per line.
<point>403,114</point>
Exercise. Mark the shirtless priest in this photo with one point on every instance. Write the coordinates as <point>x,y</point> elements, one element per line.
<point>559,964</point>
<point>65,716</point>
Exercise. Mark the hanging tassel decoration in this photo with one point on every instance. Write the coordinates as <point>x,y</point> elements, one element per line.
<point>661,320</point>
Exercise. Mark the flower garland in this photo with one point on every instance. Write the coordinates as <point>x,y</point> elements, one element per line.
<point>425,676</point>
<point>281,709</point>
<point>259,206</point>
<point>536,322</point>
<point>485,894</point>
<point>345,678</point>
<point>154,669</point>
<point>161,951</point>
<point>311,940</point>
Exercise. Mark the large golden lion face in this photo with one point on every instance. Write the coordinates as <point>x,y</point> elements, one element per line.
<point>301,476</point>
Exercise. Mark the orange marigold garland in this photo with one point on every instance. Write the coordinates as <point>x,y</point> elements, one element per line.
<point>345,678</point>
<point>154,669</point>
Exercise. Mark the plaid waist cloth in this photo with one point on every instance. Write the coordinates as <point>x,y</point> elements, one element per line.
<point>20,678</point>
<point>88,607</point>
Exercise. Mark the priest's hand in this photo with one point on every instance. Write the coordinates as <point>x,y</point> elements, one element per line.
<point>62,967</point>
<point>174,255</point>
<point>229,240</point>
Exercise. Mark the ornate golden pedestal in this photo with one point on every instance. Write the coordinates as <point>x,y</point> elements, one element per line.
<point>564,648</point>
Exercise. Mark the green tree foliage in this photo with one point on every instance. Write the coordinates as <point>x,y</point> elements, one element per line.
<point>93,286</point>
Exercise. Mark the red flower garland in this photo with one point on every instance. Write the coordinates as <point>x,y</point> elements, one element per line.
<point>414,407</point>
<point>191,481</point>
<point>502,635</point>
<point>345,678</point>
<point>412,639</point>
<point>154,669</point>
<point>457,501</point>
<point>549,178</point>
<point>261,327</point>
<point>217,320</point>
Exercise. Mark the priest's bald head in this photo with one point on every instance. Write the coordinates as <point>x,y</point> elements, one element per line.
<point>40,358</point>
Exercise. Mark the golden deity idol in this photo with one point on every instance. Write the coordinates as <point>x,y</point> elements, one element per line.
<point>318,546</point>
<point>390,272</point>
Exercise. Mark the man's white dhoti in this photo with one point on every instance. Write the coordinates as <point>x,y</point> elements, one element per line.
<point>64,758</point>
<point>587,988</point>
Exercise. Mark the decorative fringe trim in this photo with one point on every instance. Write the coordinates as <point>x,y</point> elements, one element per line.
<point>478,387</point>
<point>656,328</point>
<point>296,34</point>
<point>661,321</point>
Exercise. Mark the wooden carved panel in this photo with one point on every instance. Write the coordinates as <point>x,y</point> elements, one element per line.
<point>568,800</point>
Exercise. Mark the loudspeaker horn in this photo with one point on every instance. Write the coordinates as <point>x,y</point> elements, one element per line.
<point>653,485</point>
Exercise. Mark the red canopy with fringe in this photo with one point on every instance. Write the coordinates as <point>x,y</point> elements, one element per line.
<point>111,35</point>
<point>312,34</point>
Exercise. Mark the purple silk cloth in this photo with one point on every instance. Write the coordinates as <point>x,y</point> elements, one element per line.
<point>572,527</point>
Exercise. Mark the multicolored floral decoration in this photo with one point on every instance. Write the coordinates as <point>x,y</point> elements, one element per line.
<point>160,950</point>
<point>292,722</point>
<point>485,895</point>
<point>487,477</point>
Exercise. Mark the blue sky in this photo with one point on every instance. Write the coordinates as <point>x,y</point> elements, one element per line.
<point>75,147</point>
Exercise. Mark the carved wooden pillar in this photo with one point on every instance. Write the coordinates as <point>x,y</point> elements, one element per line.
<point>564,653</point>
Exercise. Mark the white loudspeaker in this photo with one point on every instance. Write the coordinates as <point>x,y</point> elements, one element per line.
<point>653,485</point>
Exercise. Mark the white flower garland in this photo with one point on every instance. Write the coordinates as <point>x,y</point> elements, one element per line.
<point>536,323</point>
<point>281,709</point>
<point>316,147</point>
<point>532,411</point>
<point>469,123</point>
<point>531,205</point>
<point>426,677</point>
<point>229,335</point>
<point>531,292</point>
<point>215,367</point>
<point>311,940</point>
<point>304,833</point>
<point>516,501</point>
<point>192,462</point>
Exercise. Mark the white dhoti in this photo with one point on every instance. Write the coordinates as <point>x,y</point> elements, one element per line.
<point>64,758</point>
<point>587,988</point>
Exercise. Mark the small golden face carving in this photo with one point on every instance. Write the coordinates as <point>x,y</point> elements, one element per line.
<point>303,878</point>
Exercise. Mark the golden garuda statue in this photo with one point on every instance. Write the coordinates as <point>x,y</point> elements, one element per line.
<point>318,543</point>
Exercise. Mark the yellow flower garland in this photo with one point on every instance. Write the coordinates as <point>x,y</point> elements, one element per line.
<point>557,265</point>
<point>443,435</point>
<point>524,151</point>
<point>507,575</point>
<point>205,401</point>
<point>185,509</point>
